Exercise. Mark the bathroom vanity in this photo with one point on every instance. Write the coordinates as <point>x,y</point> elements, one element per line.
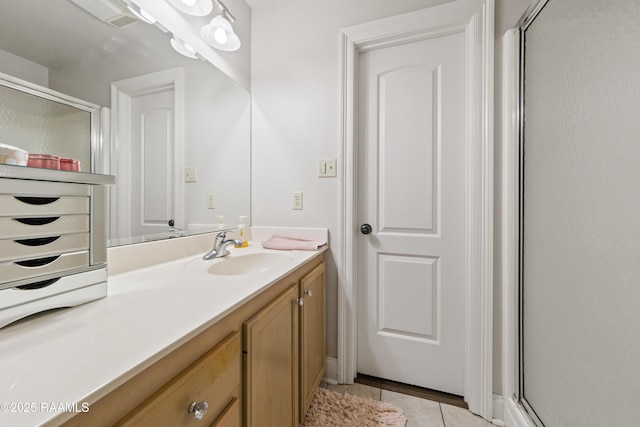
<point>172,339</point>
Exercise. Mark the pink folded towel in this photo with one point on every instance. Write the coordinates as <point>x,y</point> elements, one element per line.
<point>288,243</point>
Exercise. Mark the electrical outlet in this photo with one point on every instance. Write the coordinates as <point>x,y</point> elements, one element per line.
<point>190,175</point>
<point>211,201</point>
<point>327,168</point>
<point>297,200</point>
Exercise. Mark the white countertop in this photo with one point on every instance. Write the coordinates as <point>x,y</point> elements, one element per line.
<point>73,357</point>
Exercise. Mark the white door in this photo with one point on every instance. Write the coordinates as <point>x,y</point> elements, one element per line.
<point>152,148</point>
<point>411,187</point>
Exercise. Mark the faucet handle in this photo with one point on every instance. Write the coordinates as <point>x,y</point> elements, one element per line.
<point>219,239</point>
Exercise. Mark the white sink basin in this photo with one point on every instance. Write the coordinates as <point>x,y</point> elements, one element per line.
<point>240,264</point>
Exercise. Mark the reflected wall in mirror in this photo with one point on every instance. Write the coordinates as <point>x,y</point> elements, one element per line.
<point>57,44</point>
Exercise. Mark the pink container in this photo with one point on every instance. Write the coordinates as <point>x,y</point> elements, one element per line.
<point>47,161</point>
<point>69,164</point>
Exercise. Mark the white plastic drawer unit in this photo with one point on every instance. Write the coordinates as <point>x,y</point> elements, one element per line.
<point>53,238</point>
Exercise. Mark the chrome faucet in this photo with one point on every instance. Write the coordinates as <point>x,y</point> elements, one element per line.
<point>220,246</point>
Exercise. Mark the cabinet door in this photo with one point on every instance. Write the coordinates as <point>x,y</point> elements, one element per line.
<point>271,363</point>
<point>313,335</point>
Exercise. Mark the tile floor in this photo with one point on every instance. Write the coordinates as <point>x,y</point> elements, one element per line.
<point>420,412</point>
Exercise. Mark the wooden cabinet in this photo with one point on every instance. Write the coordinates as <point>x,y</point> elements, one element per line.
<point>258,366</point>
<point>285,349</point>
<point>213,381</point>
<point>271,363</point>
<point>312,335</point>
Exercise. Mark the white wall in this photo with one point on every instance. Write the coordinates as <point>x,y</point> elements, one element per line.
<point>297,118</point>
<point>24,69</point>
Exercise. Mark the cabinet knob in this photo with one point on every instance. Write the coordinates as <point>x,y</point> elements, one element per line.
<point>308,293</point>
<point>300,301</point>
<point>198,410</point>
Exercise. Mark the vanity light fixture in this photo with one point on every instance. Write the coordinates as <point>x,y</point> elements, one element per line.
<point>219,34</point>
<point>193,7</point>
<point>183,48</point>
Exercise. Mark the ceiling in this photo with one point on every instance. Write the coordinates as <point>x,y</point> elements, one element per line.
<point>55,32</point>
<point>263,3</point>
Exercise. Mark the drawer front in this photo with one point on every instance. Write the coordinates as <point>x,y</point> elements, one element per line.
<point>214,378</point>
<point>36,291</point>
<point>20,228</point>
<point>28,187</point>
<point>11,205</point>
<point>230,417</point>
<point>61,300</point>
<point>39,247</point>
<point>10,272</point>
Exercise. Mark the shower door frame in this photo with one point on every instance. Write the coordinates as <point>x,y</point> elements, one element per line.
<point>526,20</point>
<point>517,411</point>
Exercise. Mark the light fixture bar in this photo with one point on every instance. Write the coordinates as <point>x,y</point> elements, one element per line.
<point>225,10</point>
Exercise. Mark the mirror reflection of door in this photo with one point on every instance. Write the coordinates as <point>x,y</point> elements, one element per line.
<point>152,139</point>
<point>146,123</point>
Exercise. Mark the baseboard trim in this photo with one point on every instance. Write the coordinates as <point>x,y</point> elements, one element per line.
<point>515,415</point>
<point>498,410</point>
<point>331,373</point>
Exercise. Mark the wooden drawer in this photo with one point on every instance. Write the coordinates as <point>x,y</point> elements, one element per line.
<point>20,228</point>
<point>11,205</point>
<point>36,291</point>
<point>10,272</point>
<point>214,378</point>
<point>230,416</point>
<point>39,247</point>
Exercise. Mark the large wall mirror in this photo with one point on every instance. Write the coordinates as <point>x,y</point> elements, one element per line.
<point>162,114</point>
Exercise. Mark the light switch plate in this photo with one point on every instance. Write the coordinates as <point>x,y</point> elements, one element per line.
<point>327,168</point>
<point>297,201</point>
<point>190,175</point>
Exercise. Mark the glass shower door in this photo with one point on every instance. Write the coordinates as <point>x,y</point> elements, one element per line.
<point>580,205</point>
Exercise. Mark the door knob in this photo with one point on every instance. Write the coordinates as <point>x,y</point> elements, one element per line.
<point>365,229</point>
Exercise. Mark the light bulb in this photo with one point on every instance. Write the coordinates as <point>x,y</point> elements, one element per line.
<point>220,35</point>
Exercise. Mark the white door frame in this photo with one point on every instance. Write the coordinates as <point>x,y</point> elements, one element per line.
<point>474,18</point>
<point>122,94</point>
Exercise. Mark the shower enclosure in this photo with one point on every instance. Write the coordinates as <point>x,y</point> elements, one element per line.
<point>579,225</point>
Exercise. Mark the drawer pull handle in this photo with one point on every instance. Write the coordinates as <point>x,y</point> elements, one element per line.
<point>38,262</point>
<point>38,285</point>
<point>40,241</point>
<point>37,200</point>
<point>37,221</point>
<point>198,410</point>
<point>308,293</point>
